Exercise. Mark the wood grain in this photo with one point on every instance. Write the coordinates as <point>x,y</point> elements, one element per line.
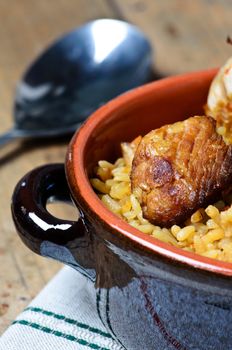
<point>26,28</point>
<point>186,35</point>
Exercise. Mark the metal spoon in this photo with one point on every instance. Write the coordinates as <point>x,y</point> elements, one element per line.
<point>77,74</point>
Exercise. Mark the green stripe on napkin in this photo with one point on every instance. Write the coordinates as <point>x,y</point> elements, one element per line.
<point>59,334</point>
<point>69,320</point>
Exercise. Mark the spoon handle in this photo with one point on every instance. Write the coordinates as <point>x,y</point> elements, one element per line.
<point>8,136</point>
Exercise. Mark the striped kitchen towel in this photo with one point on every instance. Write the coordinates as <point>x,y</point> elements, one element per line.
<point>62,317</point>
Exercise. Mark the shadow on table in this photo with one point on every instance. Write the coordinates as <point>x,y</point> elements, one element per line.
<point>20,149</point>
<point>156,75</point>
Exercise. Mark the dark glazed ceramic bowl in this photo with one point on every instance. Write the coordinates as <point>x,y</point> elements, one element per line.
<point>149,294</point>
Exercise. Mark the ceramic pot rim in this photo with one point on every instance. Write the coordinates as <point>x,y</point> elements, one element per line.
<point>79,183</point>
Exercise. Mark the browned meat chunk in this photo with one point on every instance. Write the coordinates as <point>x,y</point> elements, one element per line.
<point>180,168</point>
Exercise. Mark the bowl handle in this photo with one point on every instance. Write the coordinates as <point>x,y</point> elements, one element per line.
<point>67,241</point>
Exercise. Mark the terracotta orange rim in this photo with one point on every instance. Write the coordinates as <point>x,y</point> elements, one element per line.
<point>77,178</point>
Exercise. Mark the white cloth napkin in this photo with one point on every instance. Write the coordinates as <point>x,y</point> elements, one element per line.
<point>62,317</point>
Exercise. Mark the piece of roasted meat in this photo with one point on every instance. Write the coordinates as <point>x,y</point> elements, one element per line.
<point>180,168</point>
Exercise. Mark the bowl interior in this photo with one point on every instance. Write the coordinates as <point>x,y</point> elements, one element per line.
<point>124,118</point>
<point>139,111</point>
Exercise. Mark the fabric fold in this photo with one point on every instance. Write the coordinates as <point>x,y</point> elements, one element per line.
<point>62,316</point>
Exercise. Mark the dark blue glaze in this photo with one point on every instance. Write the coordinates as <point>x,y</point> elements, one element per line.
<point>144,300</point>
<point>80,72</point>
<point>54,235</point>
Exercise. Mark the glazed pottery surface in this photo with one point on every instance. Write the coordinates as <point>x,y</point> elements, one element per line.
<point>149,294</point>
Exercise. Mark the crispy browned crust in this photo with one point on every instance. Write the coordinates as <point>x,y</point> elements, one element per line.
<point>180,168</point>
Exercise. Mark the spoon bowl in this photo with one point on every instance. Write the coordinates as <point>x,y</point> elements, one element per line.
<point>75,75</point>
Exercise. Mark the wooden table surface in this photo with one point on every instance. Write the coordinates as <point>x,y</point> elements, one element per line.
<point>186,36</point>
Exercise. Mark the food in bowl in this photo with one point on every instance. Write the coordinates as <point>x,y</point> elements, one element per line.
<point>207,231</point>
<point>174,184</point>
